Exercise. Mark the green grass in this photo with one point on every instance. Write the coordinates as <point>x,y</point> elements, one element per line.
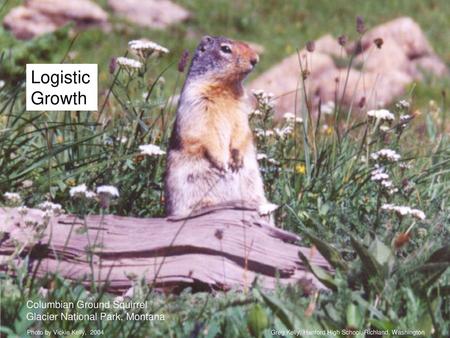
<point>321,180</point>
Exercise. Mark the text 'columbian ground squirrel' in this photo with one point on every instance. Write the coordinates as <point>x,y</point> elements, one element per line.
<point>212,158</point>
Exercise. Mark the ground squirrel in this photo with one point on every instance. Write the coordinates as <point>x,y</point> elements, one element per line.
<point>211,157</point>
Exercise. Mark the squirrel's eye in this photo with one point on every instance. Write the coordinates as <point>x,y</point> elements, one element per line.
<point>225,49</point>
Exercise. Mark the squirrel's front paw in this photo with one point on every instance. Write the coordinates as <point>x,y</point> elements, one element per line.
<point>221,167</point>
<point>217,163</point>
<point>236,160</point>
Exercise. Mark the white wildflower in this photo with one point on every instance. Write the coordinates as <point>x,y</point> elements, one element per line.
<point>81,191</point>
<point>328,108</point>
<point>108,190</point>
<point>386,184</point>
<point>263,133</point>
<point>405,165</point>
<point>12,198</point>
<point>404,210</point>
<point>48,214</point>
<point>282,132</point>
<point>384,128</point>
<point>392,191</point>
<point>273,161</point>
<point>151,150</point>
<point>30,222</point>
<point>23,210</point>
<point>43,292</point>
<point>105,193</point>
<point>267,208</point>
<point>379,175</point>
<point>289,117</point>
<point>381,114</point>
<point>419,214</point>
<point>128,63</point>
<point>52,207</point>
<point>387,206</point>
<point>119,299</point>
<point>145,48</point>
<point>261,156</point>
<point>405,118</point>
<point>401,210</point>
<point>258,92</point>
<point>385,154</point>
<point>266,100</point>
<point>129,293</point>
<point>402,104</point>
<point>27,184</point>
<point>2,84</point>
<point>256,112</point>
<point>90,194</point>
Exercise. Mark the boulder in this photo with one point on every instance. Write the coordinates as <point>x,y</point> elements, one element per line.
<point>379,74</point>
<point>385,59</point>
<point>25,23</point>
<point>327,44</point>
<point>39,17</point>
<point>429,64</point>
<point>150,13</point>
<point>406,33</point>
<point>376,89</point>
<point>83,12</point>
<point>284,79</point>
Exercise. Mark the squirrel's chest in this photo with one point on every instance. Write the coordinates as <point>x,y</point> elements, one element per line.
<point>229,117</point>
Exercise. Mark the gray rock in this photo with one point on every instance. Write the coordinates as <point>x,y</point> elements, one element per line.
<point>38,17</point>
<point>379,75</point>
<point>150,13</point>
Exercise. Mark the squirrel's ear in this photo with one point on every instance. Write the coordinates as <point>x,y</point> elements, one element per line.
<point>206,39</point>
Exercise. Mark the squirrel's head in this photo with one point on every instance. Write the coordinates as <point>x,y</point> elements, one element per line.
<point>222,59</point>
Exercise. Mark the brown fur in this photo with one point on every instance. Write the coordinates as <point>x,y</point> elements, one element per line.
<point>212,158</point>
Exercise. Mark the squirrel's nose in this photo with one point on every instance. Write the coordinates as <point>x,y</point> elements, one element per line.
<point>254,61</point>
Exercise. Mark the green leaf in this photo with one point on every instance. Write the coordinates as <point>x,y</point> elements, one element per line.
<point>369,263</point>
<point>278,308</point>
<point>381,252</point>
<point>257,320</point>
<point>430,280</point>
<point>440,255</point>
<point>330,253</point>
<point>382,324</point>
<point>428,268</point>
<point>320,274</point>
<point>213,330</point>
<point>353,316</point>
<point>425,323</point>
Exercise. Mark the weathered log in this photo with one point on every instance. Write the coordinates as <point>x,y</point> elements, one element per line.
<point>216,249</point>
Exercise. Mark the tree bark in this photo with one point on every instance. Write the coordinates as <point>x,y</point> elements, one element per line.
<point>215,249</point>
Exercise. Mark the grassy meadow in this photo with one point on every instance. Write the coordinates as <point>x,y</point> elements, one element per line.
<point>370,193</point>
